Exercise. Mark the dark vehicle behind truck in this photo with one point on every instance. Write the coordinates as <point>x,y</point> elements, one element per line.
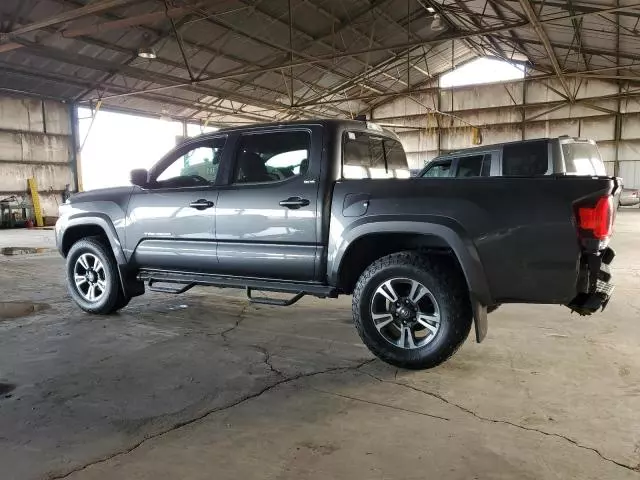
<point>326,208</point>
<point>527,158</point>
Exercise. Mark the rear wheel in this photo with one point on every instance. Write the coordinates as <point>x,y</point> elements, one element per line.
<point>411,310</point>
<point>92,277</point>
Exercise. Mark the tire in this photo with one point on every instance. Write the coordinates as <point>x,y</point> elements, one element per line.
<point>107,292</point>
<point>446,292</point>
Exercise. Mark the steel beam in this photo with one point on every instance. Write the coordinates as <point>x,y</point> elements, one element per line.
<point>585,10</point>
<point>328,58</point>
<point>141,21</point>
<point>537,26</point>
<point>577,27</point>
<point>87,10</point>
<point>311,40</point>
<point>588,50</point>
<point>80,83</point>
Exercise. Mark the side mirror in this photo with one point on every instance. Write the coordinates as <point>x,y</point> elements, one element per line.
<point>139,177</point>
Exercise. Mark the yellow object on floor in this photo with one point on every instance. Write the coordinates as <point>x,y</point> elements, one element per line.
<point>35,197</point>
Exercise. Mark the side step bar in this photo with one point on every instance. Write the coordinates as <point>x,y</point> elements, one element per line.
<point>274,301</point>
<point>186,281</point>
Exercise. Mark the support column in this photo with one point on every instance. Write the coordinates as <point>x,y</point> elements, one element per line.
<point>618,123</point>
<point>76,160</point>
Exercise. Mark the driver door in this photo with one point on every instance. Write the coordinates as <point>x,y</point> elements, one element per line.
<point>171,222</point>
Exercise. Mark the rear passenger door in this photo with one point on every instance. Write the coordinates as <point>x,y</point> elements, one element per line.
<point>267,217</point>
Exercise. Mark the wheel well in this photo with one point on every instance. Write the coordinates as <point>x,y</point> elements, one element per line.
<point>366,250</point>
<point>73,234</point>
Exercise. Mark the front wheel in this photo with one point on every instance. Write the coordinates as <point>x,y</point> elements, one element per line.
<point>411,310</point>
<point>92,277</point>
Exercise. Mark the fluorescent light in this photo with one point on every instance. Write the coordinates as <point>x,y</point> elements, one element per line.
<point>147,52</point>
<point>431,9</point>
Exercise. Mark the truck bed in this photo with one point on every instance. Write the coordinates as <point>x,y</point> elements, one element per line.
<point>517,234</point>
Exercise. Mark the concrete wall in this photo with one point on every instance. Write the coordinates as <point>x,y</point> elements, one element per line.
<point>519,110</point>
<point>36,141</point>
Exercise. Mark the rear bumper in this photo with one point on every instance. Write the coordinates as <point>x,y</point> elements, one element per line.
<point>594,283</point>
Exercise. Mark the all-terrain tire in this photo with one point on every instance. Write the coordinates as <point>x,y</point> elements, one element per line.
<point>112,298</point>
<point>448,287</point>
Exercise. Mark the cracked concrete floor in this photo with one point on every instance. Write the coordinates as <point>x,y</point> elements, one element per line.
<point>206,386</point>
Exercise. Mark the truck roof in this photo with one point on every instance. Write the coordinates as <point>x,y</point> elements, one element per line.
<point>493,146</point>
<point>327,122</point>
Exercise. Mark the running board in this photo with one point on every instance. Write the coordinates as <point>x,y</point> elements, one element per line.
<point>274,301</point>
<point>176,290</point>
<point>186,281</point>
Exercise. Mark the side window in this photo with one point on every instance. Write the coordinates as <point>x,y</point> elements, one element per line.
<point>370,156</point>
<point>272,157</point>
<point>470,166</point>
<point>525,159</point>
<point>195,167</point>
<point>438,170</point>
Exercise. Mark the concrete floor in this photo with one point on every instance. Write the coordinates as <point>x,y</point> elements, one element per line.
<point>205,386</point>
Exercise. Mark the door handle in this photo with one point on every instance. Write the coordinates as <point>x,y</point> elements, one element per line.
<point>294,202</point>
<point>201,204</point>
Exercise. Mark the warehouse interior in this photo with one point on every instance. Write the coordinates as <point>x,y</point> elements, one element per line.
<point>208,385</point>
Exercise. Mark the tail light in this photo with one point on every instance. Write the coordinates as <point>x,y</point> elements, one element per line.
<point>597,219</point>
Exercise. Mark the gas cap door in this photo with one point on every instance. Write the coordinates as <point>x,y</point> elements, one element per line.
<point>355,204</point>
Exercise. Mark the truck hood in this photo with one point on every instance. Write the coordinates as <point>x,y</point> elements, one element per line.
<point>115,194</point>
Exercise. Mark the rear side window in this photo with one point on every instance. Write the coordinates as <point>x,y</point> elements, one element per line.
<point>438,170</point>
<point>525,159</point>
<point>370,156</point>
<point>582,159</point>
<point>474,166</point>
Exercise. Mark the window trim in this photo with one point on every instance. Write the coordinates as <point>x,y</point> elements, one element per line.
<point>233,160</point>
<point>181,150</point>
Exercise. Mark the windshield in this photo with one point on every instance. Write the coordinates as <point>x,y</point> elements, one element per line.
<point>582,158</point>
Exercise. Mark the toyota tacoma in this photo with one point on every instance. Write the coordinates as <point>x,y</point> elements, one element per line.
<point>327,208</point>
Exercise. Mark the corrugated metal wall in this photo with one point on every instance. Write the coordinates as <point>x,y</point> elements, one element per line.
<point>499,110</point>
<point>35,141</point>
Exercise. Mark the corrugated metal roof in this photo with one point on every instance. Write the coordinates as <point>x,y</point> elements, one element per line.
<point>346,56</point>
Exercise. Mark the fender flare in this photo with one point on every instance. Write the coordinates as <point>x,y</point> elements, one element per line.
<point>130,286</point>
<point>448,231</point>
<point>100,220</point>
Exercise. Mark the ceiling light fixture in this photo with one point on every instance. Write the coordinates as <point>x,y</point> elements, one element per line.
<point>431,9</point>
<point>146,49</point>
<point>147,52</point>
<point>436,24</point>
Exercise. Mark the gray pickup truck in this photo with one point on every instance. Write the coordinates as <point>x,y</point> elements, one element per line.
<point>326,208</point>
